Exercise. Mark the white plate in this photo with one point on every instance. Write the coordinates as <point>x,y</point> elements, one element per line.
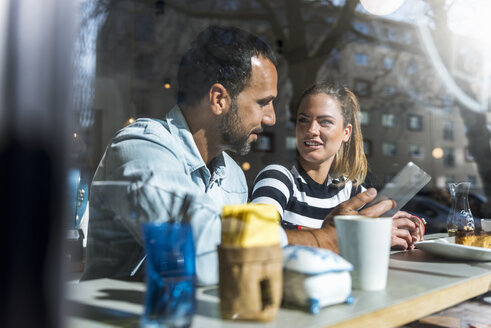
<point>446,247</point>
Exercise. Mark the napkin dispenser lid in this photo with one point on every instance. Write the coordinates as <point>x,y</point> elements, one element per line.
<point>313,260</point>
<point>250,225</point>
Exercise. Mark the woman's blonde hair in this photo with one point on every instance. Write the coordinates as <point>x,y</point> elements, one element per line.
<point>350,160</point>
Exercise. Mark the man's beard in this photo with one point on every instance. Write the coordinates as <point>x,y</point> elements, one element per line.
<point>232,131</point>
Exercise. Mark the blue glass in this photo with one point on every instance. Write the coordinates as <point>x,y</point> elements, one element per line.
<point>171,282</point>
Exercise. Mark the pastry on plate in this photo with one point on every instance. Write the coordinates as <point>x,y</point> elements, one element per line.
<point>474,238</point>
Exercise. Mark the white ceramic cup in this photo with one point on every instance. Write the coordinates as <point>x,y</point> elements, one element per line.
<point>486,225</point>
<point>365,243</point>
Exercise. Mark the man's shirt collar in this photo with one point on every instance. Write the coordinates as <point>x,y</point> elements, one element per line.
<point>179,128</point>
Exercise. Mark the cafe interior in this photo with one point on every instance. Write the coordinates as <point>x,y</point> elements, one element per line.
<point>75,72</point>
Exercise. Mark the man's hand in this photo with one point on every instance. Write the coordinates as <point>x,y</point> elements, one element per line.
<point>406,230</point>
<point>352,205</point>
<point>326,237</point>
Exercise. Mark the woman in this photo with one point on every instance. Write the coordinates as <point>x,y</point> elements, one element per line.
<point>330,167</point>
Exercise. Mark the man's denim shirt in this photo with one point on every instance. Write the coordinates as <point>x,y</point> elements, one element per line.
<point>148,165</point>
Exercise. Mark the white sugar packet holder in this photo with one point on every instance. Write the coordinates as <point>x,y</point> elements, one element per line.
<point>314,277</point>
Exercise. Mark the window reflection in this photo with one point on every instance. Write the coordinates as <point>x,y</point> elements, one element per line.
<point>388,90</point>
<point>416,151</point>
<point>412,68</point>
<point>448,128</point>
<point>361,59</point>
<point>447,104</point>
<point>389,149</point>
<point>389,120</point>
<point>408,107</point>
<point>363,88</point>
<point>449,178</point>
<point>367,147</point>
<point>364,118</point>
<point>388,63</point>
<point>448,157</point>
<point>415,122</point>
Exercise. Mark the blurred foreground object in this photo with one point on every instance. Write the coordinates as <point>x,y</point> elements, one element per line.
<point>36,41</point>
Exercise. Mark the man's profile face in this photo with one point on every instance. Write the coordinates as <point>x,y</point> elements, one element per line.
<point>252,107</point>
<point>233,132</point>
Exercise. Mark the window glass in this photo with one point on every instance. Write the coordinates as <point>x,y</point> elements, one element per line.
<point>416,151</point>
<point>291,143</point>
<point>264,142</point>
<point>448,128</point>
<point>447,104</point>
<point>367,147</point>
<point>412,68</point>
<point>389,148</point>
<point>362,27</point>
<point>391,34</point>
<point>334,59</point>
<point>408,37</point>
<point>388,63</point>
<point>467,155</point>
<point>389,120</point>
<point>361,59</point>
<point>364,118</point>
<point>449,178</point>
<point>363,88</point>
<point>144,27</point>
<point>448,157</point>
<point>388,90</point>
<point>415,122</point>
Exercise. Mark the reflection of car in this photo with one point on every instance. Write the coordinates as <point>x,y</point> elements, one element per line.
<point>432,211</point>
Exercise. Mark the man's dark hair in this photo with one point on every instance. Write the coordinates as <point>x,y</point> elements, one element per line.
<point>219,55</point>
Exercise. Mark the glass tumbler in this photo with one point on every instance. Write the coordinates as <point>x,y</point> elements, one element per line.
<point>170,273</point>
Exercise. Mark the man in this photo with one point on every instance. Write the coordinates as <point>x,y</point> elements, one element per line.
<point>227,84</point>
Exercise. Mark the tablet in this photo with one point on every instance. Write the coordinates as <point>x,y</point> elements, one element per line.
<point>404,186</point>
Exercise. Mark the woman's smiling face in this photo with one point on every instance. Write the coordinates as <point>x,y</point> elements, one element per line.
<point>320,129</point>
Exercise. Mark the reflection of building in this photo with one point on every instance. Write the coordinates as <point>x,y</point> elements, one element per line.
<point>406,111</point>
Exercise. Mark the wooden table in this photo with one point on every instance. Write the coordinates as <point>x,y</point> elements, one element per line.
<point>418,284</point>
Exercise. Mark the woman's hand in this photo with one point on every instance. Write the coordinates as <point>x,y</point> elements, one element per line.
<point>406,230</point>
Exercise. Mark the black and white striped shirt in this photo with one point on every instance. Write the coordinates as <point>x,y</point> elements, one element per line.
<point>299,199</point>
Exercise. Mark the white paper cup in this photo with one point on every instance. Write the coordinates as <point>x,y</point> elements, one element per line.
<point>365,243</point>
<point>486,225</point>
